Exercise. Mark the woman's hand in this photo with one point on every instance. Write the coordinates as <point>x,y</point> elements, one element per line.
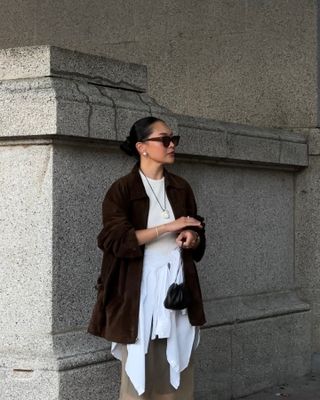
<point>148,235</point>
<point>188,239</point>
<point>181,223</point>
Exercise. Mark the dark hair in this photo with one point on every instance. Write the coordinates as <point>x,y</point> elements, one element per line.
<point>139,131</point>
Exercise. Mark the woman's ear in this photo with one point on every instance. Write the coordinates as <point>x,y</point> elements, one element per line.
<point>141,148</point>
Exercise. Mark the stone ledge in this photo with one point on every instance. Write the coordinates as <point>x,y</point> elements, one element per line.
<point>201,153</point>
<point>253,307</point>
<point>234,142</point>
<point>50,61</point>
<point>64,140</point>
<point>51,105</point>
<point>240,129</point>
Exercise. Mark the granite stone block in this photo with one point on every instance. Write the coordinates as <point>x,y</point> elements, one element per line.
<point>244,147</point>
<point>27,107</point>
<point>269,351</point>
<point>35,61</point>
<point>307,221</point>
<point>249,225</point>
<point>294,154</point>
<point>312,296</point>
<point>230,310</point>
<point>83,111</point>
<point>203,143</point>
<point>91,382</point>
<point>227,142</point>
<point>29,383</point>
<point>25,247</point>
<point>313,137</point>
<point>213,363</point>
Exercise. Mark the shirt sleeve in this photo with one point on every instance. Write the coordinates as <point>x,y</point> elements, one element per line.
<point>118,234</point>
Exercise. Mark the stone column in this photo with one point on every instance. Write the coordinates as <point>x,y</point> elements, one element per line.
<point>61,114</point>
<point>307,201</point>
<point>307,237</point>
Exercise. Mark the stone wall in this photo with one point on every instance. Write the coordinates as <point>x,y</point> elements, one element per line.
<point>242,61</point>
<point>62,115</point>
<point>307,237</point>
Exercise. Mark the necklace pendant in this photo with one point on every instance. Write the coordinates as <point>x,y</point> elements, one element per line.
<point>165,214</point>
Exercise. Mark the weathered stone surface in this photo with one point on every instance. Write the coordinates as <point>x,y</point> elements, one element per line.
<point>311,294</point>
<point>37,61</point>
<point>90,382</point>
<point>269,351</point>
<point>28,383</point>
<point>249,223</point>
<point>308,223</point>
<point>241,358</point>
<point>25,247</point>
<point>230,310</point>
<point>27,107</point>
<point>213,364</point>
<point>237,143</point>
<point>73,107</point>
<point>48,106</point>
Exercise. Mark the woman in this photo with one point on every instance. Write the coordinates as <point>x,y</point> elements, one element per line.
<point>150,239</point>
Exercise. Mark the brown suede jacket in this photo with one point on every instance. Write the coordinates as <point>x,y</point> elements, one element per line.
<point>125,209</point>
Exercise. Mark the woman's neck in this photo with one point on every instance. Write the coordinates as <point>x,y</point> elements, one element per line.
<point>151,170</point>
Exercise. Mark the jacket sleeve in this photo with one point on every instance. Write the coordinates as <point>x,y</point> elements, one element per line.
<point>118,234</point>
<point>192,212</point>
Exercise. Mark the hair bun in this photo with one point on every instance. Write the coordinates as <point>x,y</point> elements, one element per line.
<point>139,131</point>
<point>128,147</point>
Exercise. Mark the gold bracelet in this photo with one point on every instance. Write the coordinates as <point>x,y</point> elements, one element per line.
<point>157,231</point>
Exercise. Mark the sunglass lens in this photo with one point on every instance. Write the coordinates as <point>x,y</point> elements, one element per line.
<point>175,140</point>
<point>166,140</point>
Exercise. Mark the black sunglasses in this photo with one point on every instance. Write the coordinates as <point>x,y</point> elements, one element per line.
<point>166,140</point>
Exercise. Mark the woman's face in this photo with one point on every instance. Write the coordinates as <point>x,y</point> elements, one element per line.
<point>156,150</point>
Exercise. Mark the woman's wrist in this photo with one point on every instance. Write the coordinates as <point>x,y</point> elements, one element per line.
<point>197,239</point>
<point>159,230</point>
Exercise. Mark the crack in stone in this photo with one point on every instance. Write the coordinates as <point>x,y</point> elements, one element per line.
<point>97,79</point>
<point>114,109</point>
<point>46,164</point>
<point>147,104</point>
<point>90,107</point>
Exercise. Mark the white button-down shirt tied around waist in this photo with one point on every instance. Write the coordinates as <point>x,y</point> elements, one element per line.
<point>155,321</point>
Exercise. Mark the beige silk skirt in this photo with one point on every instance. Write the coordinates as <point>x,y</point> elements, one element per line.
<point>158,385</point>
